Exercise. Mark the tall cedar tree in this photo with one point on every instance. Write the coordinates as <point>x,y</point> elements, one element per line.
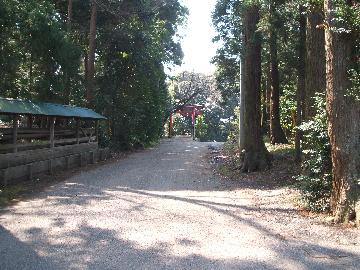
<point>343,118</point>
<point>67,86</point>
<point>255,156</point>
<point>300,91</point>
<point>315,59</point>
<point>277,134</point>
<point>90,71</point>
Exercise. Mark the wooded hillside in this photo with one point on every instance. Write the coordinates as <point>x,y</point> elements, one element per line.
<point>296,62</point>
<point>105,54</point>
<point>300,79</point>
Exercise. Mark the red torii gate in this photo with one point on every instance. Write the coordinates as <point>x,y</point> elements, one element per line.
<point>192,110</point>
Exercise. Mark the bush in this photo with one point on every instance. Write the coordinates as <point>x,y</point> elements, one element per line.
<point>104,137</point>
<point>288,110</point>
<point>201,128</point>
<point>233,132</point>
<point>315,180</point>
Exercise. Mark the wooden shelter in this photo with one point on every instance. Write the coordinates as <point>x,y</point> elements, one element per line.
<point>43,137</point>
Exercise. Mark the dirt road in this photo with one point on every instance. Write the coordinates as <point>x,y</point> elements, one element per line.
<point>163,208</point>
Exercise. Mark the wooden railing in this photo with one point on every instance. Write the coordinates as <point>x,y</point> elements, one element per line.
<point>37,138</point>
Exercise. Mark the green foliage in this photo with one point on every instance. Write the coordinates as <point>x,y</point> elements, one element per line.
<point>346,17</point>
<point>282,19</point>
<point>42,58</point>
<point>181,125</point>
<point>227,22</point>
<point>288,110</point>
<point>218,120</point>
<point>201,128</point>
<point>354,90</point>
<point>7,194</point>
<point>131,86</point>
<point>315,180</point>
<point>36,53</point>
<point>347,20</point>
<point>233,137</point>
<point>104,138</point>
<point>196,88</point>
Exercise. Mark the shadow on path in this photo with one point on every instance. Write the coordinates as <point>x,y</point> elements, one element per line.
<point>56,230</point>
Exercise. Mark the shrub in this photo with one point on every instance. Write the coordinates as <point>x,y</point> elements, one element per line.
<point>315,179</point>
<point>201,128</point>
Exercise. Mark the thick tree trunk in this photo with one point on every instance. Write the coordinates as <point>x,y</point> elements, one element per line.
<point>86,67</point>
<point>242,107</point>
<point>315,60</point>
<point>277,134</point>
<point>264,114</point>
<point>255,155</point>
<point>301,81</point>
<point>343,121</point>
<point>67,73</point>
<point>31,76</point>
<point>69,15</point>
<point>268,93</point>
<point>91,55</point>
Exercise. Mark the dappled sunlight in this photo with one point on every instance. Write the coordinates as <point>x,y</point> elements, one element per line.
<point>148,213</point>
<point>149,224</point>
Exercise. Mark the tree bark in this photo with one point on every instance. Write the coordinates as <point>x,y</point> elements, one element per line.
<point>31,76</point>
<point>69,15</point>
<point>264,110</point>
<point>255,155</point>
<point>315,60</point>
<point>67,73</point>
<point>91,55</point>
<point>343,113</point>
<point>268,93</point>
<point>277,134</point>
<point>242,107</point>
<point>301,81</point>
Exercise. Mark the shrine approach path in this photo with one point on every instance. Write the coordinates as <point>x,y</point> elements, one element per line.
<point>163,208</point>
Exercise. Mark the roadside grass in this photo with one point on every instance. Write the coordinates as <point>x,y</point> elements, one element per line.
<point>9,194</point>
<point>224,170</point>
<point>281,149</point>
<point>281,173</point>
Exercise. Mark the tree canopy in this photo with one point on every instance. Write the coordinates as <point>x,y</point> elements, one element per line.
<point>46,55</point>
<point>309,73</point>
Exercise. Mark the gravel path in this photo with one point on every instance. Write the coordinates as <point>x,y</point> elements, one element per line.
<point>163,209</point>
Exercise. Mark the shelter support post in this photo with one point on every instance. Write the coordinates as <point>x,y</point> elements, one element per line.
<point>92,132</point>
<point>52,132</point>
<point>15,133</point>
<point>30,121</point>
<point>77,130</point>
<point>96,130</point>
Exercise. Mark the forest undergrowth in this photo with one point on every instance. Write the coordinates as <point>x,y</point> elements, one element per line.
<point>284,174</point>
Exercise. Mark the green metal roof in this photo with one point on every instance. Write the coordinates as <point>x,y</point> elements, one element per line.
<point>18,106</point>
